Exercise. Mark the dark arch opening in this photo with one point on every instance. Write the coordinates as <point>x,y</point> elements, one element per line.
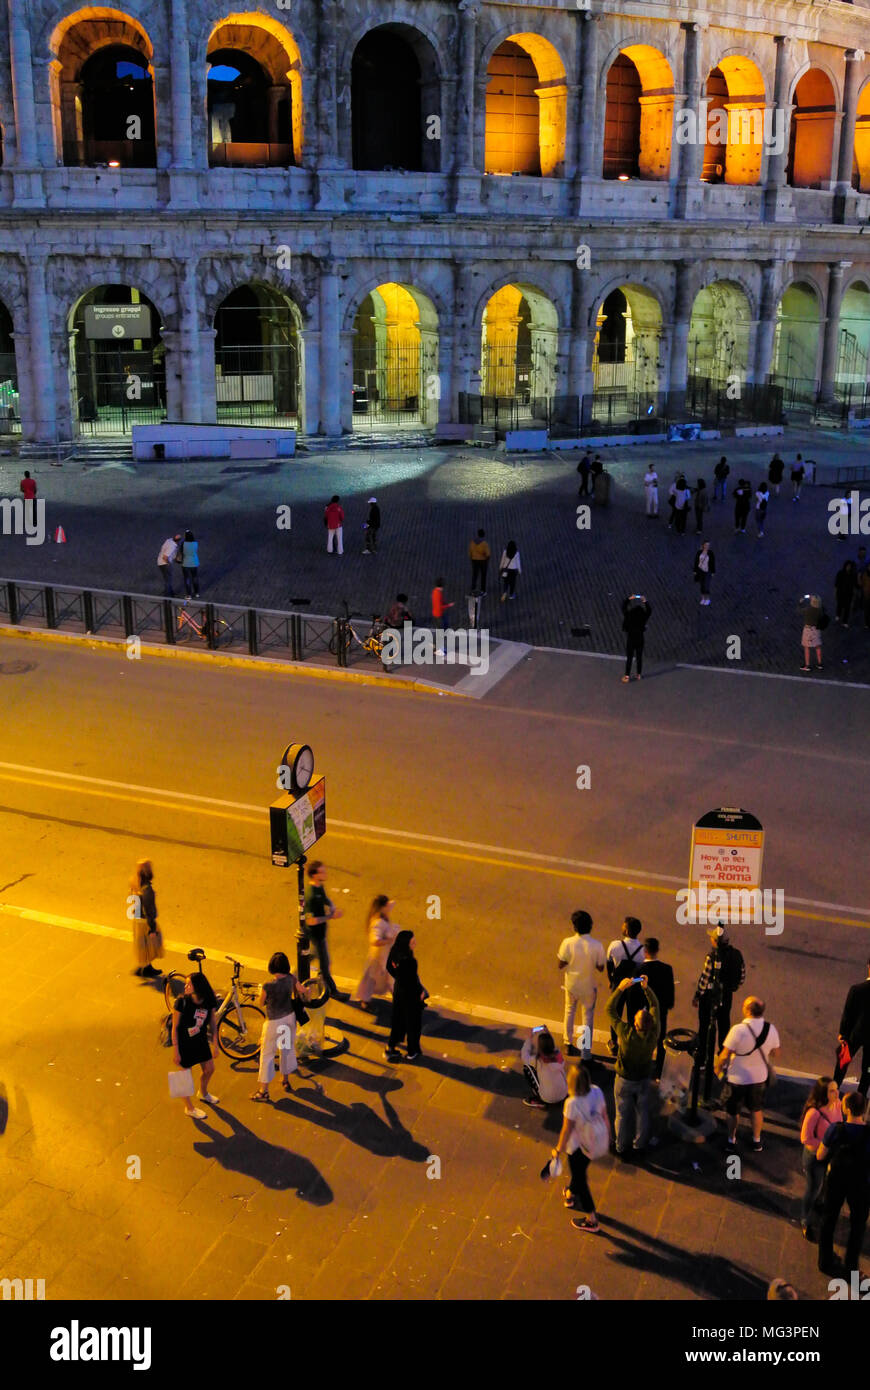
<point>386,104</point>
<point>257,358</point>
<point>116,94</point>
<point>250,121</point>
<point>622,120</point>
<point>10,419</point>
<point>612,334</point>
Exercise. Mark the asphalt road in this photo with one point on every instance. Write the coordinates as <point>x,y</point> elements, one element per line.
<point>474,802</point>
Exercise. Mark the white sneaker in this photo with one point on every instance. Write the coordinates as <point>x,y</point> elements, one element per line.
<point>207,1096</point>
<point>196,1114</point>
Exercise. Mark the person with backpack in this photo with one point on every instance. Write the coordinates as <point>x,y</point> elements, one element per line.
<point>815,619</point>
<point>821,1110</point>
<point>775,472</point>
<point>544,1069</point>
<point>846,1151</point>
<point>636,1043</point>
<point>623,959</point>
<point>720,479</point>
<point>585,1136</point>
<point>724,972</point>
<point>744,1063</point>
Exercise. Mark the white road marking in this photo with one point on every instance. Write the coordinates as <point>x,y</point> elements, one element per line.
<point>50,775</point>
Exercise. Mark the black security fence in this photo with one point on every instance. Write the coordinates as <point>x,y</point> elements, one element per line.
<point>172,622</point>
<point>619,410</point>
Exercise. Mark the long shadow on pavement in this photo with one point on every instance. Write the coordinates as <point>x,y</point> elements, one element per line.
<point>270,1164</point>
<point>359,1124</point>
<point>713,1274</point>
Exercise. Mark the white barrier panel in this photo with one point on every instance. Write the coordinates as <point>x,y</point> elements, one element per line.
<point>152,442</point>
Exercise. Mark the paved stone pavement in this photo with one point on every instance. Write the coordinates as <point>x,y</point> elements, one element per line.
<point>328,1192</point>
<point>116,515</point>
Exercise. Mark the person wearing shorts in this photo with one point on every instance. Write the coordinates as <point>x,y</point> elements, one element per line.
<point>744,1063</point>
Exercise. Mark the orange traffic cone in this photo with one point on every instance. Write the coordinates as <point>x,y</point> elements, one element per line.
<point>60,536</point>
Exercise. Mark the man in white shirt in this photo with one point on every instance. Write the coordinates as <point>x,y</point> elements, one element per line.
<point>744,1064</point>
<point>168,552</point>
<point>651,490</point>
<point>582,958</point>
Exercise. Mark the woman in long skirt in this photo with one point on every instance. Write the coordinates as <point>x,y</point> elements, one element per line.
<point>382,933</point>
<point>147,937</point>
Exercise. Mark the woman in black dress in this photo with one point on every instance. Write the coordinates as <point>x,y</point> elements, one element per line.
<point>194,1036</point>
<point>409,999</point>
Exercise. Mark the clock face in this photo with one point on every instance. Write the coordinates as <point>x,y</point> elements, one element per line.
<point>299,758</point>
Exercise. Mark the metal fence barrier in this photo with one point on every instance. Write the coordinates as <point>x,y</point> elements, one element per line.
<point>172,622</point>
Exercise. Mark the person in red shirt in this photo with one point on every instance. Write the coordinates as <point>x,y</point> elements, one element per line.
<point>27,486</point>
<point>439,606</point>
<point>333,515</point>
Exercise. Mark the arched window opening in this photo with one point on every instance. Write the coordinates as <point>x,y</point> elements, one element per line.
<point>253,95</point>
<point>735,123</point>
<point>386,103</point>
<point>811,138</point>
<point>118,376</point>
<point>395,358</point>
<point>525,108</point>
<point>258,358</point>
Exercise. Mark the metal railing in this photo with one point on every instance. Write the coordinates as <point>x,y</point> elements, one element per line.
<point>172,622</point>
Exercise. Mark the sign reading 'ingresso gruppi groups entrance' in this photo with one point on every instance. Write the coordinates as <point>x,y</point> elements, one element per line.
<point>727,850</point>
<point>120,322</point>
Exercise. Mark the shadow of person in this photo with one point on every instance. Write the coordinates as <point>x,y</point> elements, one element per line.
<point>274,1166</point>
<point>329,1069</point>
<point>357,1122</point>
<point>713,1274</point>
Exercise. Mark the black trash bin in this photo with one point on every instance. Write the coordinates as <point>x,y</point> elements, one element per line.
<point>160,452</point>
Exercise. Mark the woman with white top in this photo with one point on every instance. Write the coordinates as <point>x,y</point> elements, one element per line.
<point>705,568</point>
<point>279,1030</point>
<point>509,567</point>
<point>381,934</point>
<point>585,1135</point>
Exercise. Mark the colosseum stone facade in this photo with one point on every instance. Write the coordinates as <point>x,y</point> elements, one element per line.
<point>391,211</point>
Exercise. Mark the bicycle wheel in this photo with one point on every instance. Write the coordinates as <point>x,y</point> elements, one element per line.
<point>184,630</point>
<point>241,1040</point>
<point>223,633</point>
<point>333,642</point>
<point>173,988</point>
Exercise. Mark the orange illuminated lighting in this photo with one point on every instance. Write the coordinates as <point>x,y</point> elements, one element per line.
<point>114,163</point>
<point>623,178</point>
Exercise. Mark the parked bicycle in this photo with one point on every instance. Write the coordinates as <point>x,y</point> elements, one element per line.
<point>239,1019</point>
<point>186,627</point>
<point>344,636</point>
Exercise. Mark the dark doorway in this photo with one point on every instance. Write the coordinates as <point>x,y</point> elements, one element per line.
<point>622,120</point>
<point>386,103</point>
<point>117,111</point>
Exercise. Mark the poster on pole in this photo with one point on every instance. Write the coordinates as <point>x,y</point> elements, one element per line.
<point>727,851</point>
<point>297,822</point>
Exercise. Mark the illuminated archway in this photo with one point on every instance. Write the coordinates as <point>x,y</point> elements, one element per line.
<point>811,143</point>
<point>395,96</point>
<point>117,361</point>
<point>10,415</point>
<point>525,108</point>
<point>102,91</point>
<point>853,339</point>
<point>719,332</point>
<point>395,358</point>
<point>519,344</point>
<point>797,340</point>
<point>258,361</point>
<point>861,153</point>
<point>735,123</point>
<point>254,93</point>
<point>627,357</point>
<point>638,116</point>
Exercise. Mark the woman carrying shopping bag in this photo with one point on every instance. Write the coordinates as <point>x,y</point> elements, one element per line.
<point>193,1037</point>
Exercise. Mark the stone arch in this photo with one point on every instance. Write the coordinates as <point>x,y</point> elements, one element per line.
<point>10,412</point>
<point>395,92</point>
<point>117,372</point>
<point>262,111</point>
<point>720,329</point>
<point>259,357</point>
<point>736,95</point>
<point>218,279</point>
<point>629,356</point>
<point>853,333</point>
<point>525,106</point>
<point>91,117</point>
<point>395,355</point>
<point>638,83</point>
<point>797,336</point>
<point>519,342</point>
<point>813,127</point>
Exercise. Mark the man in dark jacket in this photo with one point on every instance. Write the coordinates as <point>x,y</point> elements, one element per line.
<point>635,616</point>
<point>855,1031</point>
<point>724,971</point>
<point>661,982</point>
<point>636,1039</point>
<point>372,526</point>
<point>742,503</point>
<point>846,1147</point>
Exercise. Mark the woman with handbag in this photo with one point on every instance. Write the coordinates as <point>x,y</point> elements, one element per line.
<point>585,1136</point>
<point>277,997</point>
<point>381,935</point>
<point>194,1034</point>
<point>147,937</point>
<point>822,1109</point>
<point>509,567</point>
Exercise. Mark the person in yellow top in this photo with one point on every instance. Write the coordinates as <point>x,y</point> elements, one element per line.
<point>479,553</point>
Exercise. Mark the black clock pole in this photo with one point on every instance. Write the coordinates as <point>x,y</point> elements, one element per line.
<point>303,943</point>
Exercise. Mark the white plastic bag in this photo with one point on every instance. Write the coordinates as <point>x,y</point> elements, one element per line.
<point>181,1083</point>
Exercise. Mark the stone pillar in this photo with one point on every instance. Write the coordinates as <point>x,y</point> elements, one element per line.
<point>44,404</point>
<point>329,190</point>
<point>831,333</point>
<point>175,372</point>
<point>310,421</point>
<point>589,153</point>
<point>777,203</point>
<point>26,395</point>
<point>579,382</point>
<point>445,348</point>
<point>766,328</point>
<point>681,317</point>
<point>462,357</point>
<point>469,11</point>
<point>189,355</point>
<point>330,349</point>
<point>854,57</point>
<point>203,347</point>
<point>21,62</point>
<point>689,148</point>
<point>182,106</point>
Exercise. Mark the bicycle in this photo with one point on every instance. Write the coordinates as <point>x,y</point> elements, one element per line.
<point>239,1019</point>
<point>186,625</point>
<point>371,643</point>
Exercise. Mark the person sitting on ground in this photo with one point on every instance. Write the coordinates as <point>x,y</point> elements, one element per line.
<point>544,1068</point>
<point>397,613</point>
